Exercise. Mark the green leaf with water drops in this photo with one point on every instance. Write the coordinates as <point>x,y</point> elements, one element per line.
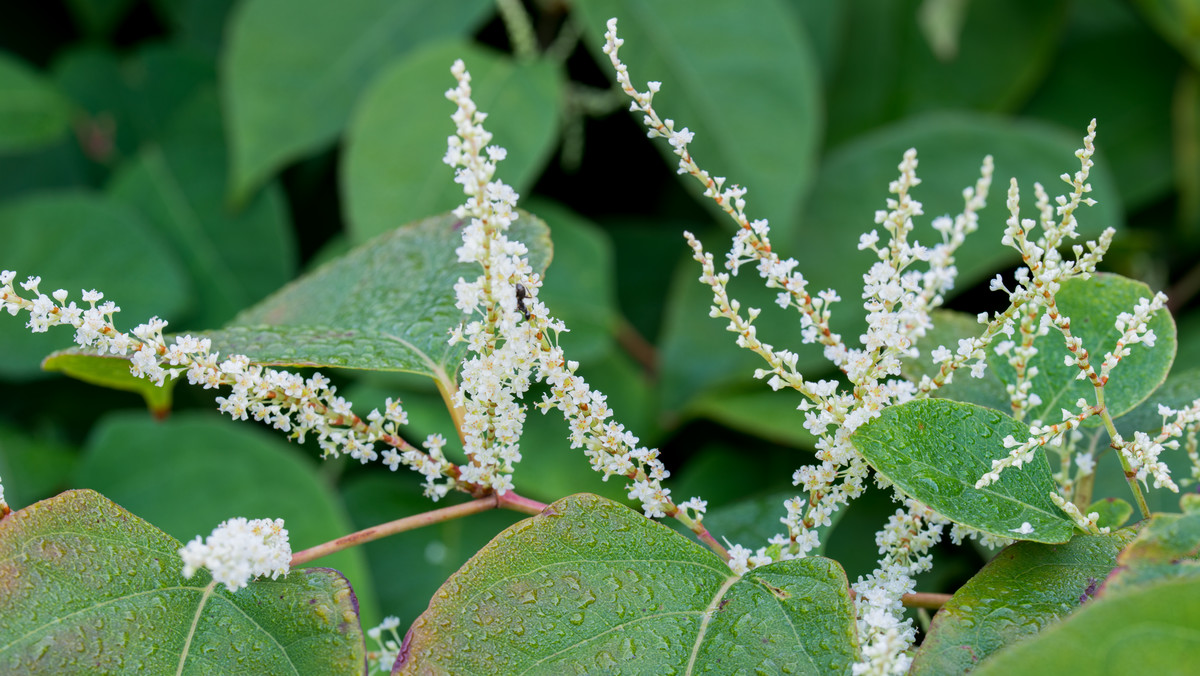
<point>936,450</point>
<point>1025,588</point>
<point>1093,306</point>
<point>88,587</point>
<point>1167,547</point>
<point>387,305</point>
<point>591,586</point>
<point>1150,629</point>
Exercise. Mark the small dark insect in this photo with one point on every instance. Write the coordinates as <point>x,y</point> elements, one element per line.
<point>522,294</point>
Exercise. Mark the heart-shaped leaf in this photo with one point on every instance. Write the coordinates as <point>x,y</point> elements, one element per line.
<point>589,585</point>
<point>936,450</point>
<point>89,587</point>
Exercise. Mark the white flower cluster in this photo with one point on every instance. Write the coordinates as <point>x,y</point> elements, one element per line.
<point>904,545</point>
<point>898,299</point>
<point>240,550</point>
<point>3,504</point>
<point>509,337</point>
<point>1142,453</point>
<point>388,648</point>
<point>287,401</point>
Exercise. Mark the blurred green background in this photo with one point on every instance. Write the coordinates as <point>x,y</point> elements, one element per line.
<point>189,157</point>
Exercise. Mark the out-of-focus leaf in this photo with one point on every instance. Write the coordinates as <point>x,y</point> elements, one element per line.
<point>1177,22</point>
<point>178,184</point>
<point>32,467</point>
<point>98,18</point>
<point>580,288</point>
<point>33,112</point>
<point>193,471</point>
<point>935,451</point>
<point>74,241</point>
<point>1020,592</point>
<point>89,587</point>
<point>129,101</point>
<point>396,140</point>
<point>292,70</point>
<point>759,411</point>
<point>888,70</point>
<point>825,22</point>
<point>1089,79</point>
<point>111,372</point>
<point>590,585</point>
<point>1150,629</point>
<point>1167,548</point>
<point>198,23</point>
<point>743,78</point>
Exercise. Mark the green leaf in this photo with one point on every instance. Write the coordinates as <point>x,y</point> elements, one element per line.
<point>1027,587</point>
<point>394,172</point>
<point>1150,630</point>
<point>1093,306</point>
<point>387,305</point>
<point>746,82</point>
<point>697,351</point>
<point>234,258</point>
<point>292,70</point>
<point>1166,548</point>
<point>1114,512</point>
<point>92,588</point>
<point>590,585</point>
<point>111,372</point>
<point>33,112</point>
<point>191,472</point>
<point>75,241</point>
<point>935,450</point>
<point>889,71</point>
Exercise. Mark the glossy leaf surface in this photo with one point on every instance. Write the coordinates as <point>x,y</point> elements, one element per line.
<point>936,450</point>
<point>591,585</point>
<point>90,587</point>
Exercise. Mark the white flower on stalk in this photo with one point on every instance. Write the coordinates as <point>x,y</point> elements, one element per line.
<point>240,550</point>
<point>512,339</point>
